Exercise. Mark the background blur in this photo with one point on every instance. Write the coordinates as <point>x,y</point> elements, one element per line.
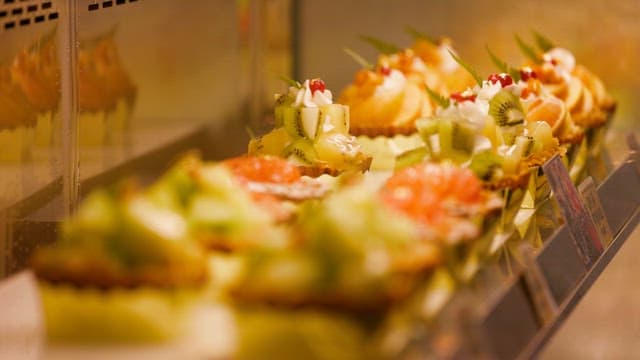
<point>157,77</point>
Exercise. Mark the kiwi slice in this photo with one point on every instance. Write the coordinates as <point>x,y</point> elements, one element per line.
<point>411,157</point>
<point>334,118</point>
<point>301,152</point>
<point>506,109</point>
<point>463,137</point>
<point>484,164</point>
<point>427,127</point>
<point>271,143</point>
<point>291,121</point>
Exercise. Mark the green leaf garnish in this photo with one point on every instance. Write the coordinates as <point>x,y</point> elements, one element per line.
<point>417,35</point>
<point>543,43</point>
<point>380,45</point>
<point>467,67</point>
<point>528,51</point>
<point>439,99</point>
<point>358,58</point>
<point>503,66</point>
<point>290,81</point>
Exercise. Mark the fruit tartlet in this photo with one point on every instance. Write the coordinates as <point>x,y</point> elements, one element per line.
<point>312,132</point>
<point>16,117</point>
<point>384,102</point>
<point>430,61</point>
<point>224,211</point>
<point>358,263</point>
<point>124,269</point>
<point>499,129</point>
<point>583,92</point>
<point>37,72</point>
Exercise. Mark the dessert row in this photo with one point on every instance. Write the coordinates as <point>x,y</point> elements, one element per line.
<point>346,223</point>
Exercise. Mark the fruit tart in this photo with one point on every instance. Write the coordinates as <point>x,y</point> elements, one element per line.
<point>223,204</point>
<point>17,116</point>
<point>583,92</point>
<point>124,269</point>
<point>496,129</point>
<point>312,132</point>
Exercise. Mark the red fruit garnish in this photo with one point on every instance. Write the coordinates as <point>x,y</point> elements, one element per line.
<point>385,70</point>
<point>463,96</point>
<point>317,85</point>
<point>504,79</point>
<point>527,73</point>
<point>263,169</point>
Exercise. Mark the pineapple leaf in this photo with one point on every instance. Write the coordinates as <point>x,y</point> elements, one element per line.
<point>503,66</point>
<point>358,58</point>
<point>543,42</point>
<point>289,81</point>
<point>439,99</point>
<point>467,67</point>
<point>527,50</point>
<point>417,35</point>
<point>380,45</point>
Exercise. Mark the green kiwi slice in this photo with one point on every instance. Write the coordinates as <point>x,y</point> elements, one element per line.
<point>301,152</point>
<point>411,157</point>
<point>506,109</point>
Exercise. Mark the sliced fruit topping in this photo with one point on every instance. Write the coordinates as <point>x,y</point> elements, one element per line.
<point>503,78</point>
<point>271,143</point>
<point>506,109</point>
<point>334,117</point>
<point>263,169</point>
<point>411,157</point>
<point>336,148</point>
<point>301,152</point>
<point>527,73</point>
<point>466,95</point>
<point>484,163</point>
<point>550,110</point>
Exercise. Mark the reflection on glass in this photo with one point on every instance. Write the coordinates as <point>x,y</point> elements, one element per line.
<point>106,93</point>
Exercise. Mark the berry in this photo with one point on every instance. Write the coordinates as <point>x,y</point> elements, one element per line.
<point>385,70</point>
<point>317,85</point>
<point>504,79</point>
<point>463,96</point>
<point>527,73</point>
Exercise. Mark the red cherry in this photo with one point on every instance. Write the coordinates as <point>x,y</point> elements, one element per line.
<point>385,70</point>
<point>527,73</point>
<point>317,85</point>
<point>504,79</point>
<point>463,96</point>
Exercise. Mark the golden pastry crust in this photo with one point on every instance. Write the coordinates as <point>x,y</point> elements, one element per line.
<point>99,271</point>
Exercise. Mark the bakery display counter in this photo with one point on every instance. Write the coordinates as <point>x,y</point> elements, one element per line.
<point>500,315</point>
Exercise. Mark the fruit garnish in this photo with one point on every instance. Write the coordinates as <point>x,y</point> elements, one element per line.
<point>417,35</point>
<point>357,58</point>
<point>263,169</point>
<point>543,43</point>
<point>380,45</point>
<point>317,85</point>
<point>466,95</point>
<point>503,66</point>
<point>506,109</point>
<point>527,73</point>
<point>503,78</point>
<point>290,81</point>
<point>439,99</point>
<point>467,67</point>
<point>385,70</point>
<point>527,50</point>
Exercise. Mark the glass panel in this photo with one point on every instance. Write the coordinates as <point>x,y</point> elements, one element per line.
<point>30,129</point>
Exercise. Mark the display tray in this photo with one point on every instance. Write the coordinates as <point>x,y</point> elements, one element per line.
<point>512,318</point>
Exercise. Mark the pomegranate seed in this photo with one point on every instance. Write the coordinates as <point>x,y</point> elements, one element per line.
<point>463,96</point>
<point>504,79</point>
<point>317,85</point>
<point>385,70</point>
<point>527,73</point>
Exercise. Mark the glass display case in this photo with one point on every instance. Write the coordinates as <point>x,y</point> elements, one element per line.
<point>94,91</point>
